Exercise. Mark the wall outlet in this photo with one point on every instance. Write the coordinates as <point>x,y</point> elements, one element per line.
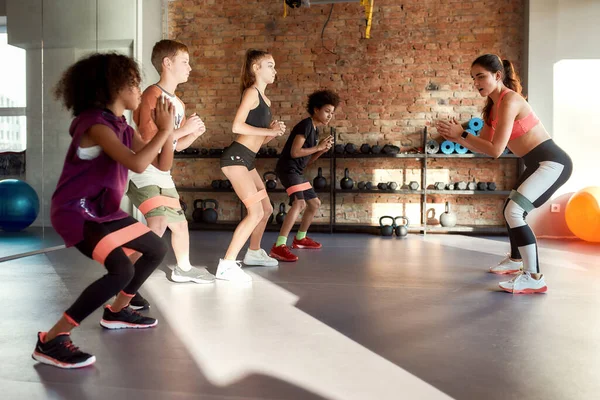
<point>554,208</point>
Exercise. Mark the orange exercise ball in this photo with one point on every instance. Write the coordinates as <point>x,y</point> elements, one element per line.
<point>583,214</point>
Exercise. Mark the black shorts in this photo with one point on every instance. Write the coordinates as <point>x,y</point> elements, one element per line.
<point>238,154</point>
<point>291,179</point>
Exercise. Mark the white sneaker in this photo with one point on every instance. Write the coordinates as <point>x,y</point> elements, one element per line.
<point>195,274</point>
<point>507,266</point>
<point>259,257</point>
<point>230,270</point>
<point>525,283</point>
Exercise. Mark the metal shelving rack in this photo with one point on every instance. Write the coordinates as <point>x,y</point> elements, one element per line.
<point>334,226</point>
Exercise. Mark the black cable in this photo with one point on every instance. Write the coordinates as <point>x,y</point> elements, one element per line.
<point>323,30</point>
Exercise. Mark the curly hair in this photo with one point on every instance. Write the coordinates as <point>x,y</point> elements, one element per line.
<point>95,81</point>
<point>320,99</point>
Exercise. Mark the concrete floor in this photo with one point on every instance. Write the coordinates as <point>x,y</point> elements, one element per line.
<point>365,317</point>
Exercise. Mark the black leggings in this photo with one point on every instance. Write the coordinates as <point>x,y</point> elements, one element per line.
<point>548,167</point>
<point>122,275</point>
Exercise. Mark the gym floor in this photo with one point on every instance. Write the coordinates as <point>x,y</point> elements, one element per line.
<point>365,317</point>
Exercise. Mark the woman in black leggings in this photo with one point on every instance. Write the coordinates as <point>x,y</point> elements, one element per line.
<point>510,121</point>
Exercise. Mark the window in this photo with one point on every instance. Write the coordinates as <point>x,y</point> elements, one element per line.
<point>12,94</point>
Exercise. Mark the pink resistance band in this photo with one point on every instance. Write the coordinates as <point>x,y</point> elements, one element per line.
<point>298,188</point>
<point>117,239</point>
<point>158,201</point>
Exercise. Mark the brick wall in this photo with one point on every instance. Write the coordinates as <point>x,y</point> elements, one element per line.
<point>413,71</point>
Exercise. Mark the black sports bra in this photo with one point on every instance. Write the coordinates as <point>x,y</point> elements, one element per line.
<point>260,117</point>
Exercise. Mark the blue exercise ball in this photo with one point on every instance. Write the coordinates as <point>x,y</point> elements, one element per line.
<point>19,205</point>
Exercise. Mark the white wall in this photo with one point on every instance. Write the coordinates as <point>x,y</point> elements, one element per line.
<point>564,37</point>
<point>71,28</point>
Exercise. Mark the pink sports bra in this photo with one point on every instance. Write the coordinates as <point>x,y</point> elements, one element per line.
<point>520,126</point>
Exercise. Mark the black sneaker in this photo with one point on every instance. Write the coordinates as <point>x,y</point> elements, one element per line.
<point>61,352</point>
<point>139,303</point>
<point>126,319</point>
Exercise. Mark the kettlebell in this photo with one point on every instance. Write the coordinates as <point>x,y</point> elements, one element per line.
<point>346,183</point>
<point>197,214</point>
<point>270,183</point>
<point>431,219</point>
<point>281,214</point>
<point>376,149</point>
<point>272,215</point>
<point>320,182</point>
<point>448,219</point>
<point>387,230</point>
<point>210,215</point>
<point>401,230</point>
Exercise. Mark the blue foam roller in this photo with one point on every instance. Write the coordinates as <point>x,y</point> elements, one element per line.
<point>447,147</point>
<point>476,124</point>
<point>472,132</point>
<point>460,149</point>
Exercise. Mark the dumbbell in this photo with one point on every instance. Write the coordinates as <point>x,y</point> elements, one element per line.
<point>439,186</point>
<point>482,186</point>
<point>215,184</point>
<point>376,149</point>
<point>382,186</point>
<point>369,185</point>
<point>272,151</point>
<point>392,185</point>
<point>450,186</point>
<point>362,185</point>
<point>365,148</point>
<point>462,185</point>
<point>491,186</point>
<point>413,185</point>
<point>339,149</point>
<point>350,148</point>
<point>471,186</point>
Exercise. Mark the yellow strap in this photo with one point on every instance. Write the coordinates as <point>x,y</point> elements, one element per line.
<point>284,9</point>
<point>368,4</point>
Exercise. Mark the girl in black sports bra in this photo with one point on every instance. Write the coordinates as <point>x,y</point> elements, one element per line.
<point>253,127</point>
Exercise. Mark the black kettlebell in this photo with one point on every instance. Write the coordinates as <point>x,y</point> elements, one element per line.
<point>401,230</point>
<point>281,214</point>
<point>361,185</point>
<point>376,149</point>
<point>339,149</point>
<point>320,182</point>
<point>386,230</point>
<point>197,214</point>
<point>346,183</point>
<point>365,148</point>
<point>270,183</point>
<point>210,215</point>
<point>272,215</point>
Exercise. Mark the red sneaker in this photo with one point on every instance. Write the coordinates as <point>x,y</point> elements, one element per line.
<point>306,243</point>
<point>283,253</point>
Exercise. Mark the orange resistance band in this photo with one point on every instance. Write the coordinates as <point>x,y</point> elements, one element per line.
<point>117,239</point>
<point>298,188</point>
<point>158,201</point>
<point>255,198</point>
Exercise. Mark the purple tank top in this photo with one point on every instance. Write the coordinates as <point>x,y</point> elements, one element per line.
<point>89,190</point>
